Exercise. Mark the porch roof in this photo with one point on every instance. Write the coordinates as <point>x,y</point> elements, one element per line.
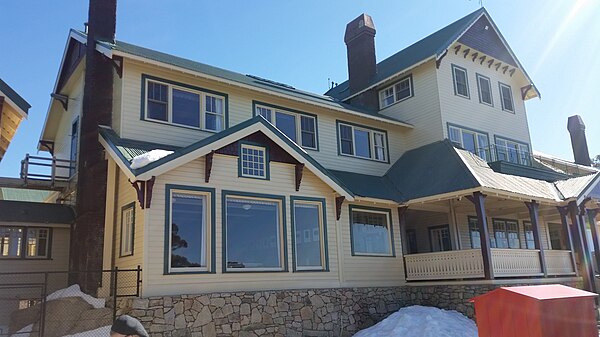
<point>35,212</point>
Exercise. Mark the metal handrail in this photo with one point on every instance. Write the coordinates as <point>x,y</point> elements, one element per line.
<point>46,162</point>
<point>495,152</point>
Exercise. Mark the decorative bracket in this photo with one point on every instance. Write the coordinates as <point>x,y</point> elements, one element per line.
<point>481,59</point>
<point>338,206</point>
<point>497,65</point>
<point>474,56</point>
<point>511,72</point>
<point>490,62</point>
<point>208,161</point>
<point>49,145</point>
<point>466,52</point>
<point>438,62</point>
<point>143,190</point>
<point>62,99</point>
<point>525,90</point>
<point>117,63</point>
<point>299,170</point>
<point>504,69</point>
<point>456,49</point>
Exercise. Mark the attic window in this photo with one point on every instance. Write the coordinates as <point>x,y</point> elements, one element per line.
<point>461,83</point>
<point>396,93</point>
<point>253,162</point>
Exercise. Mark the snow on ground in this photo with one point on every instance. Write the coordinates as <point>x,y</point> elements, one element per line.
<point>102,331</point>
<point>75,291</point>
<point>418,321</point>
<point>148,157</point>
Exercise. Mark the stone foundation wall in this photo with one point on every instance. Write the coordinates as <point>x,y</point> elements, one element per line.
<point>295,313</point>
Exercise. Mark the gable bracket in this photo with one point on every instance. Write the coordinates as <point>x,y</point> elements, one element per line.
<point>208,161</point>
<point>438,62</point>
<point>474,56</point>
<point>490,62</point>
<point>48,145</point>
<point>511,72</point>
<point>117,63</point>
<point>497,65</point>
<point>504,69</point>
<point>481,59</point>
<point>525,90</point>
<point>456,49</point>
<point>338,206</point>
<point>299,170</point>
<point>466,52</point>
<point>143,191</point>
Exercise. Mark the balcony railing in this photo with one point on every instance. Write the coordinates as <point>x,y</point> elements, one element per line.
<point>48,169</point>
<point>494,153</point>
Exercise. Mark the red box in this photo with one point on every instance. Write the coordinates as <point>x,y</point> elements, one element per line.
<point>536,311</point>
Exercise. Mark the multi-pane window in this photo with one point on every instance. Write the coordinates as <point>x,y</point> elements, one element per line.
<point>371,232</point>
<point>28,242</point>
<point>461,83</point>
<point>470,140</point>
<point>396,93</point>
<point>506,98</point>
<point>361,142</point>
<point>529,238</point>
<point>484,86</point>
<point>439,237</point>
<point>188,231</point>
<point>183,106</point>
<point>512,151</point>
<point>474,233</point>
<point>253,161</point>
<point>309,235</point>
<point>558,239</point>
<point>506,234</point>
<point>254,234</point>
<point>300,128</point>
<point>127,229</point>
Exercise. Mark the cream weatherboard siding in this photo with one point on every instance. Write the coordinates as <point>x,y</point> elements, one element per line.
<point>468,112</point>
<point>422,110</point>
<point>240,109</point>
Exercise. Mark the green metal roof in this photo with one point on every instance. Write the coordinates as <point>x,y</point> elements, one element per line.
<point>22,194</point>
<point>35,212</point>
<point>369,186</point>
<point>574,187</point>
<point>14,96</point>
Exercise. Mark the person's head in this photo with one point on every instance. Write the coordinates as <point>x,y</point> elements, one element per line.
<point>126,325</point>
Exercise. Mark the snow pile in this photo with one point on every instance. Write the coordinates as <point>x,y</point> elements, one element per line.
<point>75,291</point>
<point>25,332</point>
<point>148,157</point>
<point>418,321</point>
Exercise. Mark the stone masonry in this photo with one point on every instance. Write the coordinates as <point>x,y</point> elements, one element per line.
<point>295,313</point>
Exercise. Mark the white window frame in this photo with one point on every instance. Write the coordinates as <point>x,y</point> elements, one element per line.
<point>23,243</point>
<point>504,144</point>
<point>389,230</point>
<point>127,230</point>
<point>454,81</point>
<point>321,237</point>
<point>297,121</point>
<point>372,146</point>
<point>385,93</point>
<point>202,108</point>
<point>265,161</point>
<point>280,233</point>
<point>512,101</point>
<point>206,221</point>
<point>482,151</point>
<point>480,77</point>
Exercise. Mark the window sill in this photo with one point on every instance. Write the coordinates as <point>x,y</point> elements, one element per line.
<point>157,121</point>
<point>462,96</point>
<point>363,158</point>
<point>372,255</point>
<point>247,270</point>
<point>396,102</point>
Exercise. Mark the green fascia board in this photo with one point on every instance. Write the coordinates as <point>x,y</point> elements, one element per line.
<point>14,96</point>
<point>506,167</point>
<point>112,139</point>
<point>432,45</point>
<point>432,169</point>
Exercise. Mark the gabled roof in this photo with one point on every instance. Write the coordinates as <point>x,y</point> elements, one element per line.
<point>14,97</point>
<point>579,188</point>
<point>433,46</point>
<point>250,81</point>
<point>122,150</point>
<point>36,212</point>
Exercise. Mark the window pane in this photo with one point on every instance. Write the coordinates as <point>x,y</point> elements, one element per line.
<point>485,90</point>
<point>460,82</point>
<point>500,234</point>
<point>10,241</point>
<point>403,89</point>
<point>474,233</point>
<point>253,234</point>
<point>253,162</point>
<point>557,238</point>
<point>454,135</point>
<point>482,146</point>
<point>186,108</point>
<point>370,233</point>
<point>346,139</point>
<point>529,240</point>
<point>387,96</point>
<point>308,247</point>
<point>214,117</point>
<point>379,146</point>
<point>512,232</point>
<point>266,113</point>
<point>362,144</point>
<point>468,142</point>
<point>127,231</point>
<point>188,231</point>
<point>157,101</point>
<point>507,102</point>
<point>307,127</point>
<point>286,124</point>
<point>37,242</point>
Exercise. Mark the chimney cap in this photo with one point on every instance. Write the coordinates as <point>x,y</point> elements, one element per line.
<point>575,123</point>
<point>362,24</point>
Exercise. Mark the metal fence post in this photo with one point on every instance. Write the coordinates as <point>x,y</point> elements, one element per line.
<point>43,309</point>
<point>138,281</point>
<point>116,273</point>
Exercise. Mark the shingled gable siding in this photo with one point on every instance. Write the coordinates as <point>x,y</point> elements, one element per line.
<point>240,109</point>
<point>224,176</point>
<point>471,113</point>
<point>422,110</point>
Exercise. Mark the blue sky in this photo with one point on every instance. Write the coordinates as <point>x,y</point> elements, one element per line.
<point>301,43</point>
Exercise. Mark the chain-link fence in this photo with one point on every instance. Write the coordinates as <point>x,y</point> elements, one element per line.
<point>51,304</point>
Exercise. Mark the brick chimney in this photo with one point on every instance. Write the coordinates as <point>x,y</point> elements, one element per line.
<point>360,45</point>
<point>87,236</point>
<point>578,142</point>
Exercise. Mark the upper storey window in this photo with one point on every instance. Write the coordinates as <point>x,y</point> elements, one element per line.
<point>298,126</point>
<point>461,83</point>
<point>471,140</point>
<point>396,92</point>
<point>361,142</point>
<point>506,98</point>
<point>184,106</point>
<point>485,90</point>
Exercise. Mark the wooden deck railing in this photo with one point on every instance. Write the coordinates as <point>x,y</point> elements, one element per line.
<point>516,262</point>
<point>559,262</point>
<point>457,264</point>
<point>47,169</point>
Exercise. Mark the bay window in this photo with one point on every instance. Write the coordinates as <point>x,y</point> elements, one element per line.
<point>300,127</point>
<point>361,142</point>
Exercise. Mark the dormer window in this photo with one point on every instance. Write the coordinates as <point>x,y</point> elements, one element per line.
<point>461,83</point>
<point>506,98</point>
<point>396,92</point>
